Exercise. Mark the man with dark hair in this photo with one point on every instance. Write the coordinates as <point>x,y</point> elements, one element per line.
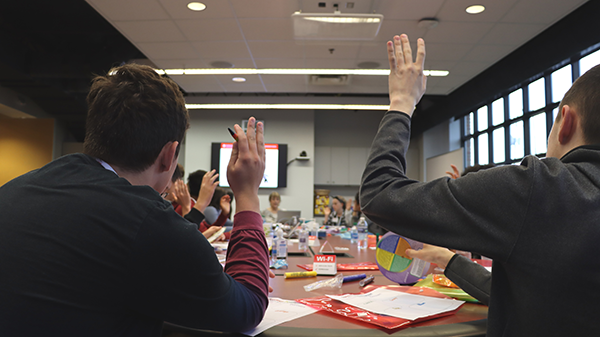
<point>537,220</point>
<point>96,251</point>
<point>194,182</point>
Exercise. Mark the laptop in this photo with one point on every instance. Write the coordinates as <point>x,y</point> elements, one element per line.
<point>285,216</point>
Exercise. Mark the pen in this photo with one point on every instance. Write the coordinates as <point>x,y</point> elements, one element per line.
<point>233,134</point>
<point>354,277</point>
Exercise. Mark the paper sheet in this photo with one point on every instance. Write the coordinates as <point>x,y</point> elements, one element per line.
<point>399,304</point>
<point>280,311</point>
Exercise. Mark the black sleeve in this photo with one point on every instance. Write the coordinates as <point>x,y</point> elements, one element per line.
<point>474,279</point>
<point>195,217</point>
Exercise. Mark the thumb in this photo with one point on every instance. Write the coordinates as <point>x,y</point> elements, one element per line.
<point>412,253</point>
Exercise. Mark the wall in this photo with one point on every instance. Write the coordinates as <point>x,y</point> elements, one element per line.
<point>25,145</point>
<point>295,128</point>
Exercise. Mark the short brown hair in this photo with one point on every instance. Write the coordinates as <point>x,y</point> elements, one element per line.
<point>132,114</point>
<point>274,195</point>
<point>584,95</point>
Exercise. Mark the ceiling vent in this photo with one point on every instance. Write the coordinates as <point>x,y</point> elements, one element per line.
<point>329,79</point>
<point>336,26</point>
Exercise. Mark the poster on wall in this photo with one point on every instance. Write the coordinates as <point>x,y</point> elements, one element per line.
<point>321,201</point>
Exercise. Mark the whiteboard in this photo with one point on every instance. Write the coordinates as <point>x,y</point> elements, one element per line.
<point>436,167</point>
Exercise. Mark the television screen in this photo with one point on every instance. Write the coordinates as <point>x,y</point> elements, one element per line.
<point>275,164</point>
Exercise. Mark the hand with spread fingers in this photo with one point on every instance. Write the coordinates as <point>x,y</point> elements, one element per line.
<point>247,166</point>
<point>407,81</point>
<point>181,195</point>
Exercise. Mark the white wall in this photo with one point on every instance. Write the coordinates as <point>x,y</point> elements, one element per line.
<point>295,128</point>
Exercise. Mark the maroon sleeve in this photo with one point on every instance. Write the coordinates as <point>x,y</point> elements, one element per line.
<point>247,254</point>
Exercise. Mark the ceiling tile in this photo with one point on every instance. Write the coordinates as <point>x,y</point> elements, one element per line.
<point>267,29</point>
<point>181,63</point>
<point>286,87</point>
<point>445,52</point>
<point>390,28</point>
<point>241,87</point>
<point>177,9</point>
<point>267,9</point>
<point>291,63</point>
<point>282,79</point>
<point>128,10</point>
<point>400,10</point>
<point>280,49</point>
<point>196,83</point>
<point>458,32</point>
<point>540,11</point>
<point>237,63</point>
<point>455,10</point>
<point>471,68</point>
<point>513,34</point>
<point>227,80</point>
<point>325,51</point>
<point>166,50</point>
<point>150,31</point>
<point>222,49</point>
<point>373,50</point>
<point>210,30</point>
<point>324,63</point>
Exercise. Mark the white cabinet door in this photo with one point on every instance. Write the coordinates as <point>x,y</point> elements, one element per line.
<point>357,157</point>
<point>322,165</point>
<point>339,166</point>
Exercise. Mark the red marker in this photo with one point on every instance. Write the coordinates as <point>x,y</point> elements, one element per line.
<point>233,134</point>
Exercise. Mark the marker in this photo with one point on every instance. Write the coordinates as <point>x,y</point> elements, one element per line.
<point>300,274</point>
<point>233,134</point>
<point>354,277</point>
<point>366,281</point>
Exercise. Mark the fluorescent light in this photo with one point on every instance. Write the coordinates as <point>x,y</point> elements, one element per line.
<point>250,71</point>
<point>475,9</point>
<point>288,106</point>
<point>238,79</point>
<point>337,19</point>
<point>196,6</point>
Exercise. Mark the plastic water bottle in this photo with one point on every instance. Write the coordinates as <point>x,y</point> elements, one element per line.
<point>303,239</point>
<point>353,235</point>
<point>281,245</point>
<point>361,228</point>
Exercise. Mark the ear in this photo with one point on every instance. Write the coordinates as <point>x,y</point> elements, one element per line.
<point>167,158</point>
<point>568,125</point>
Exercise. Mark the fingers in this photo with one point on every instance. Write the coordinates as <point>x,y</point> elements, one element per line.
<point>406,50</point>
<point>271,274</point>
<point>420,52</point>
<point>398,48</point>
<point>391,56</point>
<point>260,140</point>
<point>251,134</point>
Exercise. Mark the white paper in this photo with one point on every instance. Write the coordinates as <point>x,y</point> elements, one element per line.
<point>399,304</point>
<point>280,311</point>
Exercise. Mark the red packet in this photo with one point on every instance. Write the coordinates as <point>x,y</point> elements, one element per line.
<point>346,266</point>
<point>388,322</point>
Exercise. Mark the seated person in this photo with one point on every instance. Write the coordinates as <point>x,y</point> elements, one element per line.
<point>214,211</point>
<point>336,215</point>
<point>102,253</point>
<point>357,213</point>
<point>270,214</point>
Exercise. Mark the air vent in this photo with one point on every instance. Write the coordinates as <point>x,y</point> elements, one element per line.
<point>328,79</point>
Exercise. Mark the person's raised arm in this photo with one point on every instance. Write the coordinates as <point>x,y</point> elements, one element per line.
<point>181,195</point>
<point>407,81</point>
<point>207,189</point>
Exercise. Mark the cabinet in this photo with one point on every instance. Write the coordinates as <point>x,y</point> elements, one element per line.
<point>339,165</point>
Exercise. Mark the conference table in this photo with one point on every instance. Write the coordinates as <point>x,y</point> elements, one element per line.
<point>469,320</point>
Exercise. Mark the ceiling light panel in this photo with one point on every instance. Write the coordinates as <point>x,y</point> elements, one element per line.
<point>336,26</point>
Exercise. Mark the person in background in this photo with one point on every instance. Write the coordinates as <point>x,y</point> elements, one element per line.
<point>220,201</point>
<point>336,215</point>
<point>269,214</point>
<point>538,220</point>
<point>357,213</point>
<point>102,253</point>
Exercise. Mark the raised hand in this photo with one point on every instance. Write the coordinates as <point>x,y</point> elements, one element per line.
<point>207,189</point>
<point>225,204</point>
<point>454,174</point>
<point>247,166</point>
<point>181,195</point>
<point>407,82</point>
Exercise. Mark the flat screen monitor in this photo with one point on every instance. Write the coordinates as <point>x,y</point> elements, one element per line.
<point>275,164</point>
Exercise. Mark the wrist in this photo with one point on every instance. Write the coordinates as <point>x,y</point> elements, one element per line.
<point>402,106</point>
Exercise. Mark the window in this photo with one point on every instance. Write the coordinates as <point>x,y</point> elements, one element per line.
<point>507,129</point>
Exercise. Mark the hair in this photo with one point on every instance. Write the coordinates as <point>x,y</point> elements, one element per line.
<point>475,168</point>
<point>584,95</point>
<point>274,195</point>
<point>357,198</point>
<point>216,198</point>
<point>178,173</point>
<point>195,182</point>
<point>341,199</point>
<point>132,114</point>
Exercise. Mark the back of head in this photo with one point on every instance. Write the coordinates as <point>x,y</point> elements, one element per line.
<point>584,96</point>
<point>132,114</point>
<point>194,182</point>
<point>216,198</point>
